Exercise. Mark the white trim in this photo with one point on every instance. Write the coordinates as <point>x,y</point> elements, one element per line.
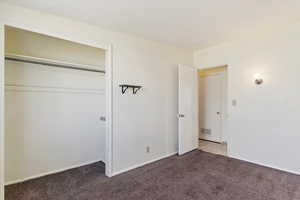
<point>144,163</point>
<point>52,61</point>
<point>212,73</point>
<point>265,165</point>
<point>51,172</point>
<point>211,67</point>
<point>109,112</point>
<point>2,74</point>
<point>51,89</point>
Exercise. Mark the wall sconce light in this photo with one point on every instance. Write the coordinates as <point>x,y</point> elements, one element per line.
<point>258,79</point>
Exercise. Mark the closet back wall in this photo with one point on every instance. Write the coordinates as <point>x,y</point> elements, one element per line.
<point>52,114</point>
<point>23,42</point>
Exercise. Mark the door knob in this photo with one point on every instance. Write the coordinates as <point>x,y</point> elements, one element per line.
<point>218,113</point>
<point>181,115</point>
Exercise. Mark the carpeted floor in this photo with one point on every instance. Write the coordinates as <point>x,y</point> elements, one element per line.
<point>195,176</point>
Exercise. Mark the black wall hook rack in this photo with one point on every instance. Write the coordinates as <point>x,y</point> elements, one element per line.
<point>135,88</point>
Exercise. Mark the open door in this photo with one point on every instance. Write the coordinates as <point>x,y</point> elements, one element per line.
<point>188,109</point>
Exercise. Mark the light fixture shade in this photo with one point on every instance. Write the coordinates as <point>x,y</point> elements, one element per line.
<point>258,79</point>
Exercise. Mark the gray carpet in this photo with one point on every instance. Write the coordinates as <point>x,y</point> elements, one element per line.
<point>195,176</point>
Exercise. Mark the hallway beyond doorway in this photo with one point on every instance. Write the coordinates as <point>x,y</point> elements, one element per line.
<point>213,147</point>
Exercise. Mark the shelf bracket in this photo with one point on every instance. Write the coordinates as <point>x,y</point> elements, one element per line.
<point>124,88</point>
<point>135,88</point>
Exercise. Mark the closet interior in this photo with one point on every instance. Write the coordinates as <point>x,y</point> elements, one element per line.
<point>54,105</point>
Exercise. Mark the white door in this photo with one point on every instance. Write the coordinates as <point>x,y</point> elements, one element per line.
<point>210,107</point>
<point>188,115</point>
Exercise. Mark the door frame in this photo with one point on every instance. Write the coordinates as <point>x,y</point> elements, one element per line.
<point>108,91</point>
<point>225,116</point>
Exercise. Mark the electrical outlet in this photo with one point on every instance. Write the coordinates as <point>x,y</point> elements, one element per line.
<point>234,102</point>
<point>148,149</point>
<point>102,118</point>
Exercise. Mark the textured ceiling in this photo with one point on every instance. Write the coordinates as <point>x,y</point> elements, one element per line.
<point>192,23</point>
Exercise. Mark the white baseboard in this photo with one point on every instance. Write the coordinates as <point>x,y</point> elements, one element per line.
<point>265,165</point>
<point>50,172</point>
<point>144,163</point>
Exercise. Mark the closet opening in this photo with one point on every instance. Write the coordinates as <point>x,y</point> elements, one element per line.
<point>57,114</point>
<point>212,87</point>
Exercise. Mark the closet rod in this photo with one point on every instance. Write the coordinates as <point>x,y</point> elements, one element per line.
<point>37,61</point>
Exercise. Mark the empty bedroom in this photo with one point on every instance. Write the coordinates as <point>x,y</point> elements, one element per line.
<point>149,100</point>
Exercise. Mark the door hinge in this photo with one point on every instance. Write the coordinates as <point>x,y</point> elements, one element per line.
<point>181,115</point>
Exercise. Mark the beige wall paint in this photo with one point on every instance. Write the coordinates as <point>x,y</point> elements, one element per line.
<point>266,116</point>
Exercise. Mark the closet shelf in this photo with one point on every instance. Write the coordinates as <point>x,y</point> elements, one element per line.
<point>53,63</point>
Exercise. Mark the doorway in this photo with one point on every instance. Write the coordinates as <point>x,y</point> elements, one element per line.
<point>212,90</point>
<point>57,107</point>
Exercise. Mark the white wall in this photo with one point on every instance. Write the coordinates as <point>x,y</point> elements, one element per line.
<point>145,119</point>
<point>264,126</point>
<point>49,130</point>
